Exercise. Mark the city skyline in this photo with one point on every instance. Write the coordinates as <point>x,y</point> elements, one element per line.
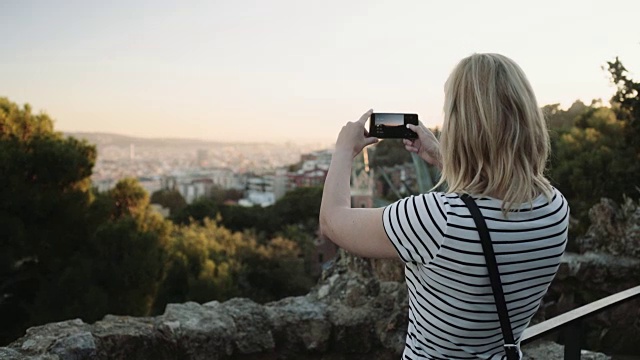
<point>287,71</point>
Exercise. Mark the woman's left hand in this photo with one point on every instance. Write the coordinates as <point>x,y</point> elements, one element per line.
<point>354,137</point>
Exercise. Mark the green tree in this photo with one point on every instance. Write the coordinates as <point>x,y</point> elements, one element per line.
<point>626,103</point>
<point>598,155</point>
<point>171,199</point>
<point>239,218</point>
<point>210,262</point>
<point>43,200</point>
<point>65,251</point>
<point>589,161</point>
<point>274,270</point>
<point>199,210</point>
<point>220,195</point>
<point>299,206</point>
<point>120,265</point>
<point>627,97</point>
<point>559,119</point>
<point>203,264</point>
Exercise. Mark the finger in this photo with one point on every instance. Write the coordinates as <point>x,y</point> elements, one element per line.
<point>411,148</point>
<point>412,127</point>
<point>418,130</point>
<point>365,116</point>
<point>370,141</point>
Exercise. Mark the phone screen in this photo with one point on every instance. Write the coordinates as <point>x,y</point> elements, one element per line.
<point>389,119</point>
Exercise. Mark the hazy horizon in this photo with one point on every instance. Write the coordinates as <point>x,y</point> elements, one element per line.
<point>188,138</point>
<point>288,71</point>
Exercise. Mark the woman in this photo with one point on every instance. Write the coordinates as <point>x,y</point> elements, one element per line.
<point>494,146</point>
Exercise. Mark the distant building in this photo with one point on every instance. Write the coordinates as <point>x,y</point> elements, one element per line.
<point>314,177</point>
<point>313,170</point>
<point>261,198</point>
<point>194,184</point>
<point>194,190</point>
<point>260,190</point>
<point>320,157</point>
<point>280,183</point>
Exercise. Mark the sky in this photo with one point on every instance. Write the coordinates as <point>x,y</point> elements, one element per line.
<point>290,70</point>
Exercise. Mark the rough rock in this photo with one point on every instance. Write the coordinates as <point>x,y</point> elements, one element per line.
<point>10,354</point>
<point>131,337</point>
<point>75,347</point>
<point>614,229</point>
<point>253,326</point>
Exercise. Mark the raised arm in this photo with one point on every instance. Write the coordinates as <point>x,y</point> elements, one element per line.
<point>359,231</point>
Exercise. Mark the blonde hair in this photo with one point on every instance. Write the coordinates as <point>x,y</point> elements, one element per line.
<point>494,139</point>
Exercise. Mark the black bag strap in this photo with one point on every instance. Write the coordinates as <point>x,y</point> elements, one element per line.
<point>510,347</point>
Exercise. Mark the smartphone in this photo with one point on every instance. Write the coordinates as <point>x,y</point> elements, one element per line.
<point>392,125</point>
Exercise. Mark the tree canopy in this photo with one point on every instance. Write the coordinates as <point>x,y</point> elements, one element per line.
<point>595,148</point>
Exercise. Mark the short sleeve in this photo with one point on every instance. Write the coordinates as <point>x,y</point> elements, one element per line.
<point>416,226</point>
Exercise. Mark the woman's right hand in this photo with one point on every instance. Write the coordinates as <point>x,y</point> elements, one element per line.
<point>426,145</point>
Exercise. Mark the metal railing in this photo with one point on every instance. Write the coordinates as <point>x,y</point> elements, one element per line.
<point>570,322</point>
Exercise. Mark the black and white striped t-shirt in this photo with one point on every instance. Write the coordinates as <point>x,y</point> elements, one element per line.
<point>452,313</point>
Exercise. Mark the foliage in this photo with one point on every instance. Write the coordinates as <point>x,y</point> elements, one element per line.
<point>627,96</point>
<point>200,209</point>
<point>274,269</point>
<point>300,206</point>
<point>203,264</point>
<point>64,251</point>
<point>239,218</point>
<point>43,194</point>
<point>598,155</point>
<point>561,120</point>
<point>585,157</point>
<point>220,195</point>
<point>210,262</point>
<point>171,199</point>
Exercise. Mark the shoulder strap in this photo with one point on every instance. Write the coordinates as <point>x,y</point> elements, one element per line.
<point>510,347</point>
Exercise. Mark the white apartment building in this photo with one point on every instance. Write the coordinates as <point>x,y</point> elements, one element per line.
<point>265,190</point>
